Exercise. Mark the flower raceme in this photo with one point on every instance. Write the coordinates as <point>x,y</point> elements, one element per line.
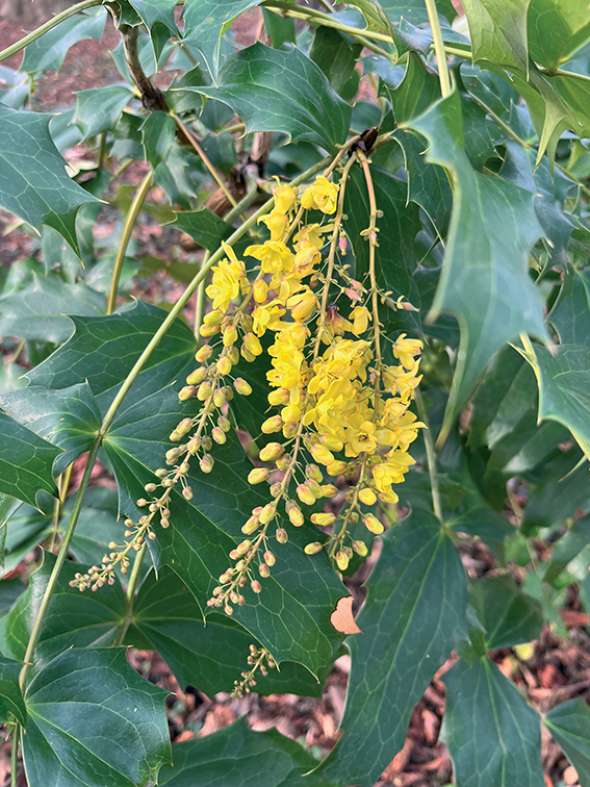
<point>339,418</point>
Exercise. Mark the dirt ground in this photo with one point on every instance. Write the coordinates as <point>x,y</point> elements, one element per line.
<point>557,670</point>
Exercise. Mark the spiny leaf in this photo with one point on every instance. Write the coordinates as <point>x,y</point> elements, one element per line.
<point>493,736</point>
<point>281,90</point>
<point>11,698</point>
<point>33,181</point>
<point>209,655</point>
<point>99,108</point>
<point>569,724</point>
<point>493,227</point>
<point>204,226</point>
<point>117,735</point>
<point>556,29</point>
<point>205,23</point>
<point>508,615</point>
<point>413,617</point>
<point>239,757</point>
<point>26,462</point>
<point>48,52</point>
<point>499,32</point>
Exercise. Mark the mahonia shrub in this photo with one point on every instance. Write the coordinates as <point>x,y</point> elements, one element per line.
<point>375,215</point>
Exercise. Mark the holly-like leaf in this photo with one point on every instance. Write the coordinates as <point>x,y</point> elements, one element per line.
<point>68,418</point>
<point>337,59</point>
<point>567,548</point>
<point>38,311</point>
<point>33,181</point>
<point>99,108</point>
<point>49,51</point>
<point>569,724</point>
<point>73,619</point>
<point>493,227</point>
<point>209,655</point>
<point>239,757</point>
<point>571,314</point>
<point>281,90</point>
<point>413,617</point>
<point>508,615</point>
<point>499,32</point>
<point>26,462</point>
<point>556,29</point>
<point>564,388</point>
<point>205,23</point>
<point>117,734</point>
<point>158,17</point>
<point>414,11</point>
<point>204,226</point>
<point>493,736</point>
<point>11,698</point>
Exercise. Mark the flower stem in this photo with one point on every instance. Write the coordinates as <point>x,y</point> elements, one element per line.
<point>128,228</point>
<point>439,49</point>
<point>64,484</point>
<point>46,26</point>
<point>430,456</point>
<point>14,756</point>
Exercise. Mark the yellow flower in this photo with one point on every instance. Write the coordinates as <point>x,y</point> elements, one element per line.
<point>226,281</point>
<point>405,350</point>
<point>321,195</point>
<point>276,223</point>
<point>285,197</point>
<point>362,441</point>
<point>267,316</point>
<point>360,317</point>
<point>402,382</point>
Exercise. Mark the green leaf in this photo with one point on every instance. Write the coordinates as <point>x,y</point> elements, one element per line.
<point>414,11</point>
<point>493,736</point>
<point>239,757</point>
<point>73,619</point>
<point>281,90</point>
<point>33,181</point>
<point>68,418</point>
<point>556,29</point>
<point>26,462</point>
<point>508,615</point>
<point>48,52</point>
<point>564,388</point>
<point>205,22</point>
<point>571,314</point>
<point>499,32</point>
<point>569,724</point>
<point>99,108</point>
<point>158,17</point>
<point>38,311</point>
<point>569,546</point>
<point>158,134</point>
<point>209,655</point>
<point>413,617</point>
<point>493,227</point>
<point>204,226</point>
<point>11,698</point>
<point>337,58</point>
<point>93,721</point>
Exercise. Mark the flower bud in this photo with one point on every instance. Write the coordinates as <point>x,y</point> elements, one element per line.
<point>270,452</point>
<point>219,397</point>
<point>268,512</point>
<point>250,526</point>
<point>367,496</point>
<point>252,343</point>
<point>224,365</point>
<point>260,290</point>
<point>313,548</point>
<point>198,375</point>
<point>230,336</point>
<point>373,525</point>
<point>294,513</point>
<point>204,391</point>
<point>242,387</point>
<point>203,353</point>
<point>323,519</point>
<point>279,396</point>
<point>337,467</point>
<point>264,570</point>
<point>187,493</point>
<point>322,454</point>
<point>360,548</point>
<point>186,392</point>
<point>208,330</point>
<point>314,472</point>
<point>272,424</point>
<point>342,560</point>
<point>269,558</point>
<point>218,435</point>
<point>224,423</point>
<point>281,535</point>
<point>305,494</point>
<point>206,463</point>
<point>257,475</point>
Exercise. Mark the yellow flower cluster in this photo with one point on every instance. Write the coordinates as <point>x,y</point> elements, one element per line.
<point>339,421</point>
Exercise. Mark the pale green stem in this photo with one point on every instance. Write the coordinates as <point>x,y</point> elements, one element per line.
<point>439,48</point>
<point>128,227</point>
<point>14,756</point>
<point>430,456</point>
<point>46,26</point>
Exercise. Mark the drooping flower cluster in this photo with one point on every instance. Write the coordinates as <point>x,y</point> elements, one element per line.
<point>339,416</point>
